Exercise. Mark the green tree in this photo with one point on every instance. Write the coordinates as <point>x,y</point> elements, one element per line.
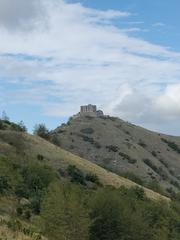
<point>64,214</point>
<point>106,216</point>
<point>41,130</point>
<point>22,126</point>
<point>4,116</point>
<point>114,216</point>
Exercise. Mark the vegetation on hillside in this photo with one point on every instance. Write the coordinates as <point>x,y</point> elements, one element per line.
<point>48,193</point>
<point>8,125</point>
<point>123,148</point>
<point>68,208</point>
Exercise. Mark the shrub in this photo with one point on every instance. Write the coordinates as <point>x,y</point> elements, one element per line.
<point>35,178</point>
<point>27,214</point>
<point>76,174</point>
<point>41,131</point>
<point>175,183</point>
<point>127,132</point>
<point>21,190</point>
<point>36,204</point>
<point>97,145</point>
<point>1,125</point>
<point>55,140</point>
<point>156,169</point>
<point>21,127</point>
<point>150,164</point>
<point>172,145</point>
<point>4,185</point>
<point>88,139</point>
<point>132,161</point>
<point>19,211</point>
<point>163,162</point>
<point>154,154</point>
<point>139,192</point>
<point>125,156</point>
<point>40,157</point>
<point>92,178</point>
<point>87,130</point>
<point>142,144</point>
<point>112,148</point>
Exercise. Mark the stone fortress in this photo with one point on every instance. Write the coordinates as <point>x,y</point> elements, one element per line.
<point>89,110</point>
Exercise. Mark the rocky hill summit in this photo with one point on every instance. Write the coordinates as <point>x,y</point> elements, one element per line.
<point>123,148</point>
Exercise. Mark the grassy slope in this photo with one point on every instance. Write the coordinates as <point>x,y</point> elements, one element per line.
<point>131,141</point>
<point>8,231</point>
<point>19,147</point>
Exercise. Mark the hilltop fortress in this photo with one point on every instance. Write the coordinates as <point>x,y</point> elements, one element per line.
<point>89,110</point>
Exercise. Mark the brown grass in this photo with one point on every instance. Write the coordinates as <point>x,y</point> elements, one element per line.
<point>61,158</point>
<point>28,147</point>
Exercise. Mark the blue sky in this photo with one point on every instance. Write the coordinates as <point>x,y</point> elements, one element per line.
<point>160,18</point>
<point>123,56</point>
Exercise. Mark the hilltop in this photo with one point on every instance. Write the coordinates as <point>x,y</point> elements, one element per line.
<point>123,148</point>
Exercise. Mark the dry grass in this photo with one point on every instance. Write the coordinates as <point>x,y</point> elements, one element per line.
<point>29,147</point>
<point>7,234</point>
<point>17,233</point>
<point>61,158</point>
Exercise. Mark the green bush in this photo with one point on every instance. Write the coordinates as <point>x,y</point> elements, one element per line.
<point>156,169</point>
<point>150,164</point>
<point>41,131</point>
<point>76,174</point>
<point>4,184</point>
<point>112,148</point>
<point>87,130</point>
<point>92,178</point>
<point>40,157</point>
<point>172,145</point>
<point>127,157</point>
<point>88,139</point>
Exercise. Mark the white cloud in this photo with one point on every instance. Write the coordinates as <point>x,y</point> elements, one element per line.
<point>20,14</point>
<point>169,102</point>
<point>76,55</point>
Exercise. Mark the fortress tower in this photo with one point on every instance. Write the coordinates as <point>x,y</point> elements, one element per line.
<point>89,110</point>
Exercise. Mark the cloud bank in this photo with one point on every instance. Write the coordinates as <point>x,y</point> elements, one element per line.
<point>58,56</point>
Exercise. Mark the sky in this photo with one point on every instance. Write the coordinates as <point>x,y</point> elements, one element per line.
<point>122,55</point>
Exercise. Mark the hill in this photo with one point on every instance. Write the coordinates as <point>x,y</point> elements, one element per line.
<point>49,193</point>
<point>21,147</point>
<point>123,148</point>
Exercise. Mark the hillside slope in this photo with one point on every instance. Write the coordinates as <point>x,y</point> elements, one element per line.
<point>123,147</point>
<point>18,146</point>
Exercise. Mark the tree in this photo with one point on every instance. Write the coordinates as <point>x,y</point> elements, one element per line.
<point>4,116</point>
<point>117,215</point>
<point>22,126</point>
<point>41,130</point>
<point>64,214</point>
<point>106,217</point>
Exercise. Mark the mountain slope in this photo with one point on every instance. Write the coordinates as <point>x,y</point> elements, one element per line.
<point>20,147</point>
<point>123,147</point>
